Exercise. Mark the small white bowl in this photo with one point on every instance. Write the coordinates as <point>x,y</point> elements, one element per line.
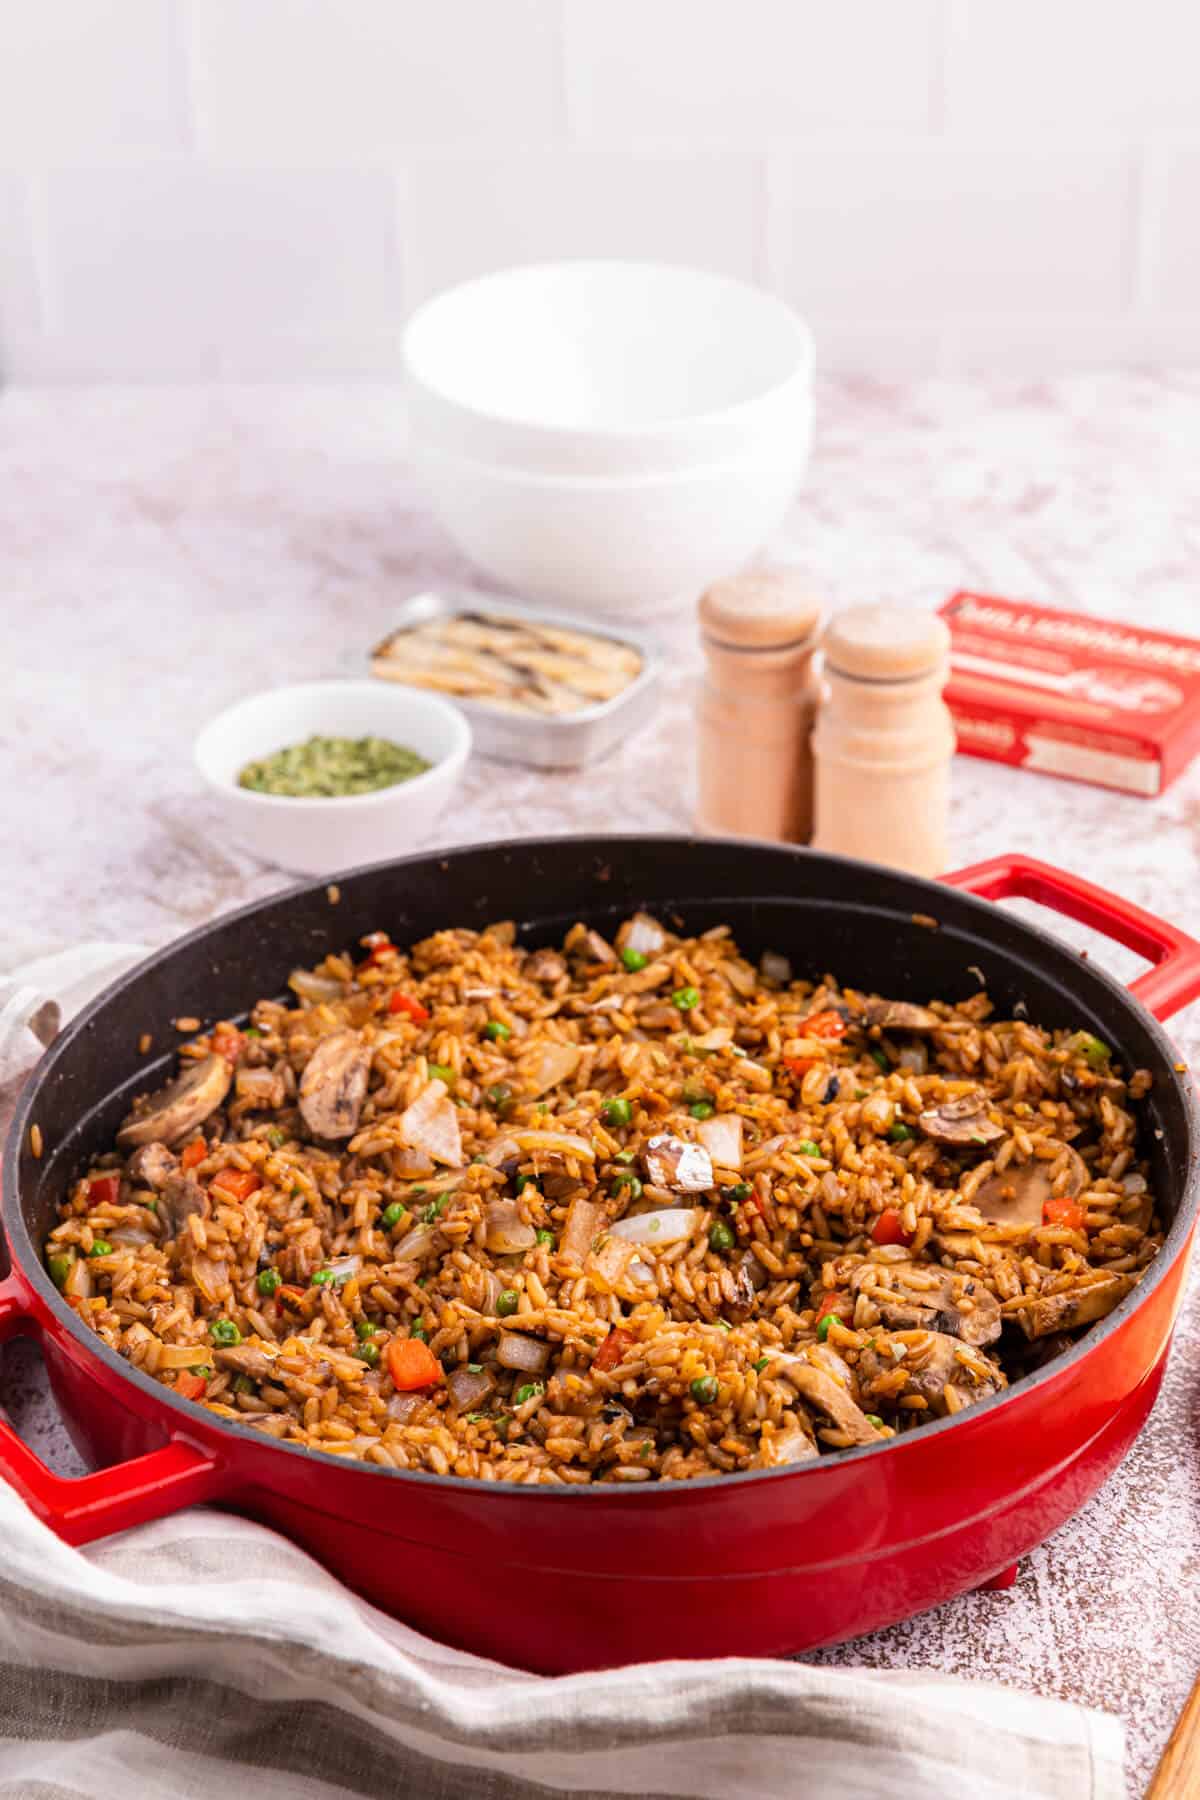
<point>627,549</point>
<point>605,368</point>
<point>321,836</point>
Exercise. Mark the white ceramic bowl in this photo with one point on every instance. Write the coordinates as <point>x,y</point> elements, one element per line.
<point>318,837</point>
<point>627,549</point>
<point>606,369</point>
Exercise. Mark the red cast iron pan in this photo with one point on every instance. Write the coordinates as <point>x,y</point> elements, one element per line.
<point>576,1578</point>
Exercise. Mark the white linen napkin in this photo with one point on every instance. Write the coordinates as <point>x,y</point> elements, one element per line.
<point>205,1655</point>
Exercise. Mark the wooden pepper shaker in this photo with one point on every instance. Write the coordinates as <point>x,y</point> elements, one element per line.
<point>884,739</point>
<point>759,698</point>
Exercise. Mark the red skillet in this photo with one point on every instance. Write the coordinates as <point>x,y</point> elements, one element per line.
<point>561,1579</point>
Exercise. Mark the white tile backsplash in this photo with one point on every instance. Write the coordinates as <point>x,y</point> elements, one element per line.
<point>461,216</point>
<point>89,78</point>
<point>717,72</point>
<point>302,80</point>
<point>261,189</point>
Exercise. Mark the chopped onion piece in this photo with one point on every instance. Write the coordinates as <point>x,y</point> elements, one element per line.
<point>411,1165</point>
<point>317,988</point>
<point>78,1283</point>
<point>669,1225</point>
<point>722,1138</point>
<point>505,1231</point>
<point>528,1354</point>
<point>500,1150</point>
<point>414,1243</point>
<point>431,1124</point>
<point>467,1387</point>
<point>741,978</point>
<point>210,1276</point>
<point>584,1218</point>
<point>643,933</point>
<point>550,1065</point>
<point>344,1268</point>
<point>775,967</point>
<point>562,1143</point>
<point>716,1039</point>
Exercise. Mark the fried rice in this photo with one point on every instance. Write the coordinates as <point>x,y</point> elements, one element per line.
<point>631,1210</point>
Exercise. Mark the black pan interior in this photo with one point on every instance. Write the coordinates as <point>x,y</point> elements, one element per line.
<point>871,927</point>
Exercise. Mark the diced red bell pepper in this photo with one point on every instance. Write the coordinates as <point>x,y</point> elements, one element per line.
<point>798,1066</point>
<point>193,1153</point>
<point>412,1364</point>
<point>410,1007</point>
<point>377,945</point>
<point>227,1041</point>
<point>889,1228</point>
<point>841,1305</point>
<point>192,1387</point>
<point>823,1025</point>
<point>103,1190</point>
<point>237,1184</point>
<point>1064,1212</point>
<point>612,1350</point>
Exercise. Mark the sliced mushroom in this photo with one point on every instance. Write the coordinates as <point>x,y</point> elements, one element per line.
<point>917,1295</point>
<point>829,1398</point>
<point>1080,1306</point>
<point>594,948</point>
<point>1017,1195</point>
<point>546,966</point>
<point>152,1166</point>
<point>334,1085</point>
<point>672,1163</point>
<point>961,1121</point>
<point>181,1196</point>
<point>939,1369</point>
<point>900,1015</point>
<point>168,1116</point>
<point>245,1359</point>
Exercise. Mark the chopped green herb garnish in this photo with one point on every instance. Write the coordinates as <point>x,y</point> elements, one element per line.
<point>443,1072</point>
<point>624,1156</point>
<point>474,1368</point>
<point>761,1364</point>
<point>500,1095</point>
<point>435,1209</point>
<point>328,768</point>
<point>391,1215</point>
<point>545,1237</point>
<point>529,1391</point>
<point>243,1385</point>
<point>881,1057</point>
<point>322,1278</point>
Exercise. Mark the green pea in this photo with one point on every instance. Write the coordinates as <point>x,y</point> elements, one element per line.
<point>702,1109</point>
<point>720,1237</point>
<point>823,1324</point>
<point>497,1031</point>
<point>705,1389</point>
<point>634,960</point>
<point>874,1419</point>
<point>443,1072</point>
<point>252,1031</point>
<point>268,1281</point>
<point>363,1329</point>
<point>224,1331</point>
<point>204,1369</point>
<point>900,1133</point>
<point>59,1267</point>
<point>1096,1053</point>
<point>630,1181</point>
<point>806,1147</point>
<point>529,1391</point>
<point>685,998</point>
<point>391,1215</point>
<point>544,1236</point>
<point>881,1057</point>
<point>507,1303</point>
<point>322,1278</point>
<point>368,1353</point>
<point>243,1383</point>
<point>100,1247</point>
<point>618,1111</point>
<point>739,1192</point>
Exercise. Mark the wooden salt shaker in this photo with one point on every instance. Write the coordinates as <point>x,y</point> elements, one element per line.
<point>884,739</point>
<point>756,711</point>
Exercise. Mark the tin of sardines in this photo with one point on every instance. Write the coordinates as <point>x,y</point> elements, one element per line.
<point>545,688</point>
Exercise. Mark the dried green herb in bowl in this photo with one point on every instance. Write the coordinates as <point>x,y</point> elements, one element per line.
<point>330,768</point>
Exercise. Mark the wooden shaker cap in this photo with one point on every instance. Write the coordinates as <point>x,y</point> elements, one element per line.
<point>763,609</point>
<point>886,643</point>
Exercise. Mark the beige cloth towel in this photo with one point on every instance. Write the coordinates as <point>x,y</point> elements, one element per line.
<point>205,1656</point>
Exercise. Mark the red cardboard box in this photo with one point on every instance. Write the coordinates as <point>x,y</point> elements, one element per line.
<point>1071,695</point>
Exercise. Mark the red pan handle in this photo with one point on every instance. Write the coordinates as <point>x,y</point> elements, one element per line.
<point>1162,990</point>
<point>91,1506</point>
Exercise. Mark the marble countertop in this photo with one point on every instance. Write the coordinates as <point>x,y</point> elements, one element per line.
<point>165,551</point>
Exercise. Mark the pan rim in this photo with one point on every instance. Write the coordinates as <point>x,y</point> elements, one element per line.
<point>26,1261</point>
